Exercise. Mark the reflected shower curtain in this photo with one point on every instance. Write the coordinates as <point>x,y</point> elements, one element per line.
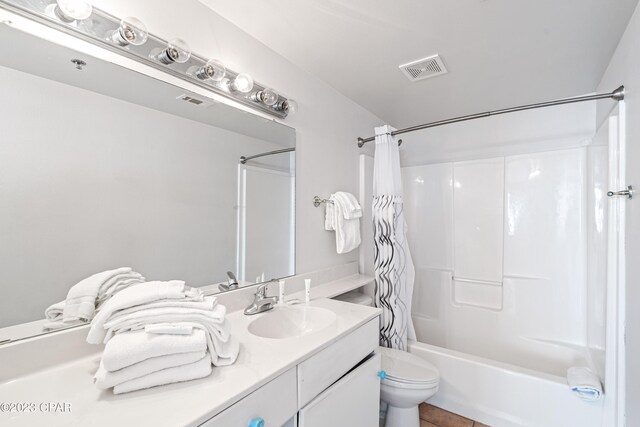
<point>394,270</point>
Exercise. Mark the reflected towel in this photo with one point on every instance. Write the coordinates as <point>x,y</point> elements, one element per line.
<point>54,311</point>
<point>200,369</point>
<point>584,383</point>
<point>133,347</point>
<point>106,379</point>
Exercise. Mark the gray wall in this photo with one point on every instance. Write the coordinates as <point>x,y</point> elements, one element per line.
<point>89,182</point>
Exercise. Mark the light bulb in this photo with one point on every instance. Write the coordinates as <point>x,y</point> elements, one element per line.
<point>266,96</point>
<point>177,50</point>
<point>72,10</point>
<point>131,31</point>
<point>213,70</point>
<point>289,106</point>
<point>242,83</point>
<point>292,106</point>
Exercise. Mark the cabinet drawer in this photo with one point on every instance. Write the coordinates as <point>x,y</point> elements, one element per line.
<point>323,369</point>
<point>275,403</point>
<point>354,401</point>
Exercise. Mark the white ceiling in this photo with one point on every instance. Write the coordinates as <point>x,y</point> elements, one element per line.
<point>500,53</point>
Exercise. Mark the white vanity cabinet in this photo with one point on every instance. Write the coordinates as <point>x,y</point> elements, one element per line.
<point>338,386</point>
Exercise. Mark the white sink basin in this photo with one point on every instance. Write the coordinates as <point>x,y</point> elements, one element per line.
<point>291,322</point>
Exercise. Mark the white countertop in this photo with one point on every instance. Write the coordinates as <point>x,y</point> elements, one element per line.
<point>188,403</point>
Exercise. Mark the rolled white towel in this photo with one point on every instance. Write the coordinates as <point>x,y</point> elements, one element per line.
<point>133,347</point>
<point>106,379</point>
<point>193,371</point>
<point>584,383</point>
<point>139,295</point>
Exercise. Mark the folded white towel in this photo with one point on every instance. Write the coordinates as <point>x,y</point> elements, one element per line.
<point>106,379</point>
<point>133,347</point>
<point>192,371</point>
<point>584,383</point>
<point>138,295</point>
<point>210,319</point>
<point>81,298</point>
<point>347,230</point>
<point>350,207</point>
<point>169,329</point>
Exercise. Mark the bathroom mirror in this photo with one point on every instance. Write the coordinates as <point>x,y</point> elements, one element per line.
<point>104,167</point>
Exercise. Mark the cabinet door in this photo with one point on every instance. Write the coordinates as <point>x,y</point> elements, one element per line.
<point>353,401</point>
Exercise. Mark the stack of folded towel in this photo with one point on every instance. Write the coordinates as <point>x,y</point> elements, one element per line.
<point>87,297</point>
<point>160,333</point>
<point>343,214</point>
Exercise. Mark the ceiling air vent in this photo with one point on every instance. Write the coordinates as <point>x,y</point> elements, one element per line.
<point>192,100</point>
<point>424,68</point>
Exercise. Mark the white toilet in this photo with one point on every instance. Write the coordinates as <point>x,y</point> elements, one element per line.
<point>408,380</point>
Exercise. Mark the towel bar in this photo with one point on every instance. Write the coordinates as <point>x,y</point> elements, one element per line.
<point>317,201</point>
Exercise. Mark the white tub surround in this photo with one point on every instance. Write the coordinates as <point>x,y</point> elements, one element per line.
<point>270,368</point>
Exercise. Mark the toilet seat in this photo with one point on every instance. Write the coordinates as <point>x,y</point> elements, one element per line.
<point>407,370</point>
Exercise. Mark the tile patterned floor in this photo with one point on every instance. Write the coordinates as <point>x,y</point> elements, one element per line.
<point>431,416</point>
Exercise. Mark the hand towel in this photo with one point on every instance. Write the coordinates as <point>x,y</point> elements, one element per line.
<point>129,348</point>
<point>350,207</point>
<point>139,295</point>
<point>329,216</point>
<point>106,379</point>
<point>81,298</point>
<point>584,383</point>
<point>347,230</point>
<point>200,369</point>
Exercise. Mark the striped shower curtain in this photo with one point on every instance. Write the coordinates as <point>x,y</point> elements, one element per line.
<point>394,270</point>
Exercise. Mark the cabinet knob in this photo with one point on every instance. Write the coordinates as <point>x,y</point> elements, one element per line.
<point>256,422</point>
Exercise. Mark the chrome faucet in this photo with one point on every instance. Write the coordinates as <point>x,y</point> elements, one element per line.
<point>232,282</point>
<point>261,302</point>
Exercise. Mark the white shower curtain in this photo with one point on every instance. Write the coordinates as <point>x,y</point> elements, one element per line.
<point>394,270</point>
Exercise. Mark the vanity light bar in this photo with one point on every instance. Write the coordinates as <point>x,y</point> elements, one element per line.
<point>129,37</point>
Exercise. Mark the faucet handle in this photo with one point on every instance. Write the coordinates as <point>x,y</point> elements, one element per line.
<point>262,290</point>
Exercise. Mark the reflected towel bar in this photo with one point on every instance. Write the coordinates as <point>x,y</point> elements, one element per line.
<point>317,201</point>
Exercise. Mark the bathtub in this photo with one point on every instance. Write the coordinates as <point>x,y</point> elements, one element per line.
<point>504,395</point>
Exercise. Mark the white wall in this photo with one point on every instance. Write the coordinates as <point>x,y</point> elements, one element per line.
<point>625,69</point>
<point>327,124</point>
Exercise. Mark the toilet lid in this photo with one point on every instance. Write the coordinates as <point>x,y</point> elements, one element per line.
<point>403,367</point>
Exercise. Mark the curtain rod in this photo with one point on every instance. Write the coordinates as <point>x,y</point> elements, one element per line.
<point>244,159</point>
<point>617,95</point>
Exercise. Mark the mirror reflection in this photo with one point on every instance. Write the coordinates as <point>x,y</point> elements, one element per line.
<point>105,170</point>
